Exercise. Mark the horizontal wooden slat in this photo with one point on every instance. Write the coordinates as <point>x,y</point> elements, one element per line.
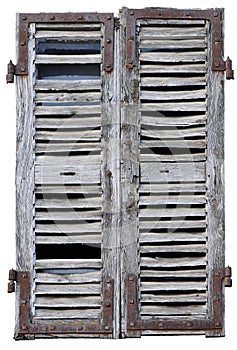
<point>173,56</point>
<point>172,81</point>
<point>191,274</point>
<point>174,106</point>
<point>164,172</point>
<point>68,97</point>
<point>173,143</point>
<point>73,239</point>
<point>67,147</point>
<point>86,173</point>
<point>149,286</point>
<point>67,110</point>
<point>67,228</point>
<point>177,224</point>
<point>164,188</point>
<point>68,123</point>
<point>172,199</point>
<point>87,277</point>
<point>69,34</point>
<point>67,59</point>
<point>173,310</point>
<point>188,248</point>
<point>172,157</point>
<point>172,44</point>
<point>68,215</point>
<point>68,26</point>
<point>56,289</point>
<point>176,212</point>
<point>172,262</point>
<point>174,68</point>
<point>176,121</point>
<point>166,22</point>
<point>149,237</point>
<point>69,203</point>
<point>68,263</point>
<point>72,302</point>
<point>177,298</point>
<point>83,135</point>
<point>68,314</point>
<point>172,95</point>
<point>172,33</point>
<point>76,85</point>
<point>64,160</point>
<point>173,133</point>
<point>44,189</point>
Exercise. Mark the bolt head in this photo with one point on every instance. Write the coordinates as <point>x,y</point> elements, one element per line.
<point>80,17</point>
<point>108,41</point>
<point>131,301</point>
<point>23,43</point>
<point>24,328</point>
<point>52,18</point>
<point>132,324</point>
<point>24,18</point>
<point>161,325</point>
<point>107,328</point>
<point>108,17</point>
<point>131,13</point>
<point>131,278</point>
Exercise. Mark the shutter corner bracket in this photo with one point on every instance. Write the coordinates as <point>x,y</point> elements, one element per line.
<point>21,68</point>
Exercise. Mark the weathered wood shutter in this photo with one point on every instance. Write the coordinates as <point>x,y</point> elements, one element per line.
<point>120,205</point>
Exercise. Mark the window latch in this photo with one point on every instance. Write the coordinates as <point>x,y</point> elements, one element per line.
<point>12,279</point>
<point>10,72</point>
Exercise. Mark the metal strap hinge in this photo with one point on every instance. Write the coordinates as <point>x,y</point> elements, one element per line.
<point>12,279</point>
<point>228,69</point>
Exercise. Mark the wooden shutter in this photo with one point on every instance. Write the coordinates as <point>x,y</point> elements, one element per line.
<point>120,185</point>
<point>60,204</point>
<point>175,174</point>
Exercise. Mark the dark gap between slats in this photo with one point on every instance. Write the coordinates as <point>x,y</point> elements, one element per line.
<point>68,251</point>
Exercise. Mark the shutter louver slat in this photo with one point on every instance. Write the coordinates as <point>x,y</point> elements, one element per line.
<point>172,192</point>
<point>68,205</point>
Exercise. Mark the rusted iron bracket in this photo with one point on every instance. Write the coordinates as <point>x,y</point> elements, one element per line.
<point>29,330</point>
<point>21,68</point>
<point>215,16</point>
<point>136,323</point>
<point>228,69</point>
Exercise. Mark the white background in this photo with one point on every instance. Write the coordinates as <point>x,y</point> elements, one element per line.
<point>7,173</point>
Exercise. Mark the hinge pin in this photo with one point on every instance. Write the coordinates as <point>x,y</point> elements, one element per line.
<point>229,70</point>
<point>10,72</point>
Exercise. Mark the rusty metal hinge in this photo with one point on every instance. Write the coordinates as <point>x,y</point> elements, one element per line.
<point>12,279</point>
<point>10,72</point>
<point>227,278</point>
<point>228,69</point>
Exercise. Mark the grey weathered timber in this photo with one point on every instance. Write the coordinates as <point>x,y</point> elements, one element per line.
<point>55,85</point>
<point>70,313</point>
<point>129,174</point>
<point>172,310</point>
<point>171,237</point>
<point>184,68</point>
<point>110,181</point>
<point>172,57</point>
<point>176,121</point>
<point>25,170</point>
<point>91,289</point>
<point>172,33</point>
<point>85,277</point>
<point>173,81</point>
<point>69,263</point>
<point>215,182</point>
<point>181,298</point>
<point>169,274</point>
<point>67,59</point>
<point>173,262</point>
<point>69,35</point>
<point>42,301</point>
<point>172,44</point>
